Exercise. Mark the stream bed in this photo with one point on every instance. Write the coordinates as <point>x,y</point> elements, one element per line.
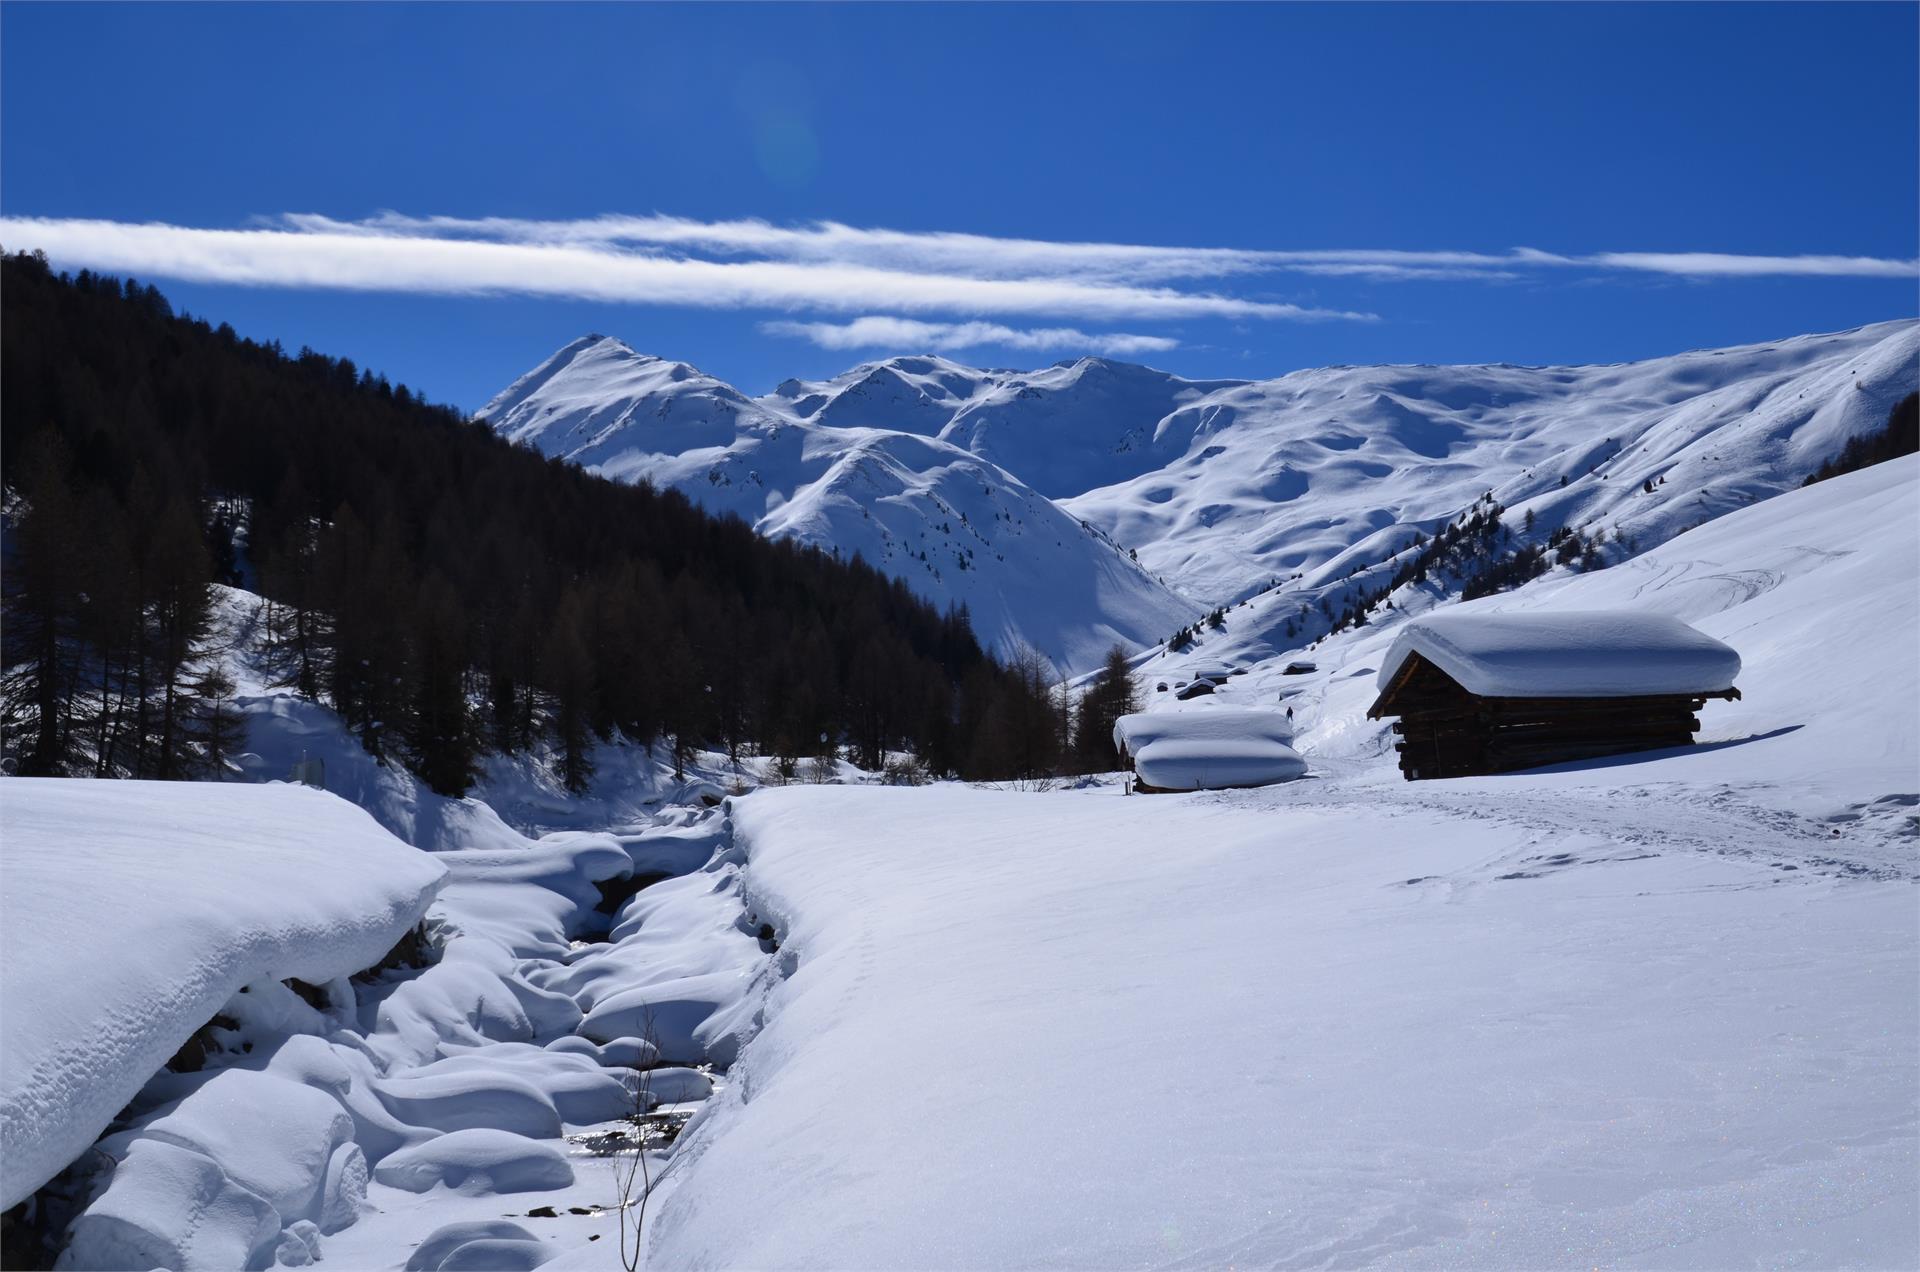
<point>477,1100</point>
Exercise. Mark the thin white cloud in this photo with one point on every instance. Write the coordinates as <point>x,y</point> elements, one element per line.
<point>975,255</point>
<point>1724,265</point>
<point>971,283</point>
<point>359,259</point>
<point>880,332</point>
<point>984,256</point>
<point>1403,273</point>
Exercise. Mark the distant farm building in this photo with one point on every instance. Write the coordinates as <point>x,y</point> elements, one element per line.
<point>1207,677</point>
<point>1492,693</point>
<point>1207,750</point>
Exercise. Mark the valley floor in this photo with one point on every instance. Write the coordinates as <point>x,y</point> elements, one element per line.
<point>1632,1014</point>
<point>1617,1017</point>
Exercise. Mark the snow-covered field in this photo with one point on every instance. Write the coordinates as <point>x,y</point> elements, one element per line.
<point>1583,1023</point>
<point>1657,1011</point>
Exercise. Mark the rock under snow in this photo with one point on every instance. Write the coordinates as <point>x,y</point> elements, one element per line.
<point>477,1161</point>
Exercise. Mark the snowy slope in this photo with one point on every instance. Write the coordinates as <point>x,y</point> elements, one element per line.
<point>955,527</point>
<point>1814,589</point>
<point>1651,1011</point>
<point>132,911</point>
<point>1063,429</point>
<point>1320,471</point>
<point>1219,488</point>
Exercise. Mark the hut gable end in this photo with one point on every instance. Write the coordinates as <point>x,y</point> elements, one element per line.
<point>1419,686</point>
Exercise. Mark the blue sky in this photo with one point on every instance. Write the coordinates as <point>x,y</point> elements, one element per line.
<point>428,189</point>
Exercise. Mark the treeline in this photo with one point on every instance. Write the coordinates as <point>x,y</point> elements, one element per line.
<point>1055,733</point>
<point>446,593</point>
<point>1901,436</point>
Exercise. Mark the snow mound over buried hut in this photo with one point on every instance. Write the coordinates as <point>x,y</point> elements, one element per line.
<point>1208,750</point>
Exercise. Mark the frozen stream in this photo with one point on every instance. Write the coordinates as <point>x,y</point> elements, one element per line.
<point>471,1103</point>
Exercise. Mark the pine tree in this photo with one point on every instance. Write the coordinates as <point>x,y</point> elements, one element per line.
<point>1110,695</point>
<point>180,577</point>
<point>567,668</point>
<point>1020,733</point>
<point>43,611</point>
<point>681,700</point>
<point>214,726</point>
<point>439,727</point>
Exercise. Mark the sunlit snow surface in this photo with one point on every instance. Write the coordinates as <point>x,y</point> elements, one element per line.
<point>1656,1011</point>
<point>1571,653</point>
<point>132,911</point>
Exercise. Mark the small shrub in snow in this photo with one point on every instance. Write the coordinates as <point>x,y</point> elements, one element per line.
<point>905,770</point>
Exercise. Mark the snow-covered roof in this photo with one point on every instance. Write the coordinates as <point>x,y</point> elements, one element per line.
<point>1565,654</point>
<point>1213,723</point>
<point>1209,749</point>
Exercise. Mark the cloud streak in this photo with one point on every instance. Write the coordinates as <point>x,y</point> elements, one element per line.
<point>940,290</point>
<point>985,256</point>
<point>881,332</point>
<point>360,259</point>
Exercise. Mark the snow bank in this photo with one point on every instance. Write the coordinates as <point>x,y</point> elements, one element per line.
<point>1209,749</point>
<point>133,911</point>
<point>1573,654</point>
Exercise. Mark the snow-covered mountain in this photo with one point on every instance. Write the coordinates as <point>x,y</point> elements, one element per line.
<point>1320,471</point>
<point>956,527</point>
<point>1030,495</point>
<point>1064,429</point>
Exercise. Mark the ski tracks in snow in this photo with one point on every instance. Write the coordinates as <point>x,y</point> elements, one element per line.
<point>1588,826</point>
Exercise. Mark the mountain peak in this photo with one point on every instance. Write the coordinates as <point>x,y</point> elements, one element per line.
<point>595,341</point>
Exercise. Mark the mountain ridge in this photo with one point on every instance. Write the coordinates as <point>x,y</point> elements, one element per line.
<point>1221,489</point>
<point>958,528</point>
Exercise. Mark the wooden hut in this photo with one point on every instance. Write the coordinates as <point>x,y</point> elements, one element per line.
<point>1490,693</point>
